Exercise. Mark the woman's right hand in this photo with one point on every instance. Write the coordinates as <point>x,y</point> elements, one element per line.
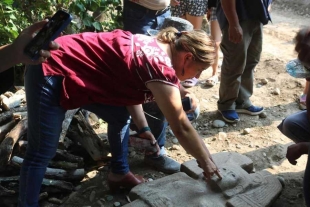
<point>209,168</point>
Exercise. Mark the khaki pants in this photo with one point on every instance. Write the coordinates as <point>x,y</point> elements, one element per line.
<point>238,65</point>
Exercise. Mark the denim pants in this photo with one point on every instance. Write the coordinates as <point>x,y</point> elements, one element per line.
<point>139,20</point>
<point>45,116</point>
<point>297,128</point>
<point>239,62</point>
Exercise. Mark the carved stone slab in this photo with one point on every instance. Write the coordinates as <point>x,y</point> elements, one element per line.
<point>191,167</point>
<point>238,188</point>
<point>175,190</point>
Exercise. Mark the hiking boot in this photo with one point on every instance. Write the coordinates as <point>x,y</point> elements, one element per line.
<point>230,116</point>
<point>163,163</point>
<point>252,110</point>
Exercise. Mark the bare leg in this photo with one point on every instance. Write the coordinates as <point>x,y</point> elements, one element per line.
<point>195,20</point>
<point>216,35</point>
<point>303,97</point>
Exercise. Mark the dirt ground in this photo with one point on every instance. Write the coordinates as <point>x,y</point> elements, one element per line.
<point>264,144</point>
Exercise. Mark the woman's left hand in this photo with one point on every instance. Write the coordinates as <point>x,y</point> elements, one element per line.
<point>148,135</point>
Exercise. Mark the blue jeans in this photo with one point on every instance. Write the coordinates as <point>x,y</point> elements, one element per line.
<point>45,116</point>
<point>139,20</point>
<point>297,128</point>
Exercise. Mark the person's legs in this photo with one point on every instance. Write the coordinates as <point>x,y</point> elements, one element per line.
<point>45,116</point>
<point>234,60</point>
<point>194,11</point>
<point>306,184</point>
<point>118,120</point>
<point>253,33</point>
<point>296,127</point>
<point>216,34</point>
<point>158,125</point>
<point>137,20</point>
<point>303,97</point>
<point>195,20</point>
<point>140,22</point>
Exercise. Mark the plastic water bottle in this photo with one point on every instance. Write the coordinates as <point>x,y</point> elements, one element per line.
<point>296,69</point>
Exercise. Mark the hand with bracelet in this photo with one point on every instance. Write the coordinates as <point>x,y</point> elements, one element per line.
<point>139,119</point>
<point>146,133</point>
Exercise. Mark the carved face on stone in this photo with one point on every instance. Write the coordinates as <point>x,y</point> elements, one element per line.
<point>234,180</point>
<point>229,180</point>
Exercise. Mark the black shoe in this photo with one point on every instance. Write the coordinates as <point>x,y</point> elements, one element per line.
<point>163,163</point>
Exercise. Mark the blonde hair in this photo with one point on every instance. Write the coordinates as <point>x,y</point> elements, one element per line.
<point>195,41</point>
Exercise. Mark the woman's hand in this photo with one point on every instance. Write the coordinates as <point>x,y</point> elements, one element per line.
<point>24,38</point>
<point>148,135</point>
<point>209,168</point>
<point>194,102</point>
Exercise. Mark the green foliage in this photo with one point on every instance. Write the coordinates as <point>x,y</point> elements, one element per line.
<point>88,15</point>
<point>97,15</point>
<point>11,22</point>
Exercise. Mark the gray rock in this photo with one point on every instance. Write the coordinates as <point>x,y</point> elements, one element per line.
<point>218,124</point>
<point>264,81</point>
<point>263,115</point>
<point>175,141</point>
<point>92,196</point>
<point>116,204</point>
<point>237,188</point>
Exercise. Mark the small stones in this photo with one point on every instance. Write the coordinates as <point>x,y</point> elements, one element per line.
<point>246,131</point>
<point>109,197</point>
<point>276,91</point>
<point>92,196</point>
<point>263,115</point>
<point>218,124</point>
<point>175,147</point>
<point>222,135</point>
<point>132,153</point>
<point>92,174</point>
<point>116,204</point>
<point>175,141</point>
<point>55,201</point>
<point>264,81</point>
<point>100,203</point>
